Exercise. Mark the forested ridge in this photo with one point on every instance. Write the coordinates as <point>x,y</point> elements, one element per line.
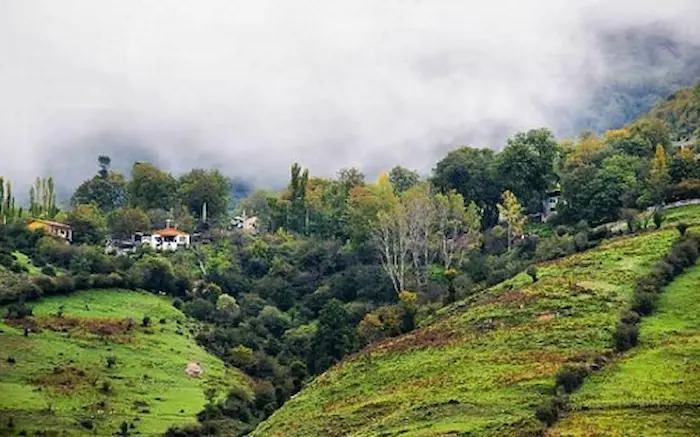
<point>342,263</point>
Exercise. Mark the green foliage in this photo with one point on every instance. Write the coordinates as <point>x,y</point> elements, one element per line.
<point>88,223</point>
<point>124,222</point>
<point>151,188</point>
<point>210,187</point>
<point>472,173</point>
<point>402,179</point>
<point>106,190</point>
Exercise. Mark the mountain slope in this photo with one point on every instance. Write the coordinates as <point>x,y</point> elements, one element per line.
<point>485,368</point>
<point>655,389</point>
<point>58,377</point>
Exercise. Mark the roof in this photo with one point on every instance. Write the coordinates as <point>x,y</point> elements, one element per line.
<point>51,223</point>
<point>169,232</point>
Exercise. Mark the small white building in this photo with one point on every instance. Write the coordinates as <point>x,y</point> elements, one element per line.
<point>550,203</point>
<point>166,239</point>
<point>247,224</point>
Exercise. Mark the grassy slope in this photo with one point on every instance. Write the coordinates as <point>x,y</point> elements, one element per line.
<point>65,370</point>
<point>483,369</point>
<point>655,389</point>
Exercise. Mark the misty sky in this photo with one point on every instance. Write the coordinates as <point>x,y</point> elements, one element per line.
<point>252,86</point>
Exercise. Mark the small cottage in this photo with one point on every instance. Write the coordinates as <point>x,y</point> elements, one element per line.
<point>56,229</point>
<point>166,239</point>
<point>550,203</point>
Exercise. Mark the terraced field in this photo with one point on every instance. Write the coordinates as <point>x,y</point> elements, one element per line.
<point>484,367</point>
<point>58,377</point>
<point>655,389</point>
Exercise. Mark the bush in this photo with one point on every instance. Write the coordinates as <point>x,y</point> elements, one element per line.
<point>658,219</point>
<point>82,281</point>
<point>6,259</point>
<point>111,361</point>
<point>177,303</point>
<point>644,303</point>
<point>47,284</point>
<point>571,376</point>
<point>532,272</point>
<point>548,412</point>
<point>146,321</point>
<point>630,317</point>
<point>682,227</point>
<point>18,268</point>
<point>64,284</point>
<point>48,270</point>
<point>581,241</point>
<point>18,310</point>
<point>625,337</point>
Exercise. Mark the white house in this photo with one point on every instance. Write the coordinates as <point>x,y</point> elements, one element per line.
<point>166,239</point>
<point>247,224</point>
<point>549,204</point>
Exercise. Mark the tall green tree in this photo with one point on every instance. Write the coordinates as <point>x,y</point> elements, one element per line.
<point>298,214</point>
<point>512,213</point>
<point>151,188</point>
<point>210,187</point>
<point>526,166</point>
<point>89,224</point>
<point>402,179</point>
<point>458,229</point>
<point>658,176</point>
<point>107,189</point>
<point>125,221</point>
<point>472,173</point>
<point>335,337</point>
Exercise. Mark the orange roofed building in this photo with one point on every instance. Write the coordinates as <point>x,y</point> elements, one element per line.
<point>56,229</point>
<point>166,239</point>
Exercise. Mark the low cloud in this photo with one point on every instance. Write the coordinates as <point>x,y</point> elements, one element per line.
<point>250,87</point>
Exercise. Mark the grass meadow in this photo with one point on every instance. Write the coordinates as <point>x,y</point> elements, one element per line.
<point>486,364</point>
<point>58,378</point>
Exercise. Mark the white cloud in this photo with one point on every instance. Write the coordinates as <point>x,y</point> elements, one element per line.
<point>253,86</point>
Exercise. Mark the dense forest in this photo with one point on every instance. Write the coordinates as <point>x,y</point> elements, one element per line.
<point>339,263</point>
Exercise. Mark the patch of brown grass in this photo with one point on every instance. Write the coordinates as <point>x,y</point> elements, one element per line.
<point>103,327</point>
<point>67,378</point>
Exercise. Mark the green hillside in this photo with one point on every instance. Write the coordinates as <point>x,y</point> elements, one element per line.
<point>483,369</point>
<point>58,377</point>
<point>655,389</point>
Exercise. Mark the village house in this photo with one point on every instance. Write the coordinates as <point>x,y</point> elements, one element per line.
<point>165,239</point>
<point>549,204</point>
<point>56,229</point>
<point>246,224</point>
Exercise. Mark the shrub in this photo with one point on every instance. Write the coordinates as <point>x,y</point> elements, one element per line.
<point>111,361</point>
<point>532,272</point>
<point>146,321</point>
<point>630,317</point>
<point>48,270</point>
<point>6,259</point>
<point>18,310</point>
<point>571,376</point>
<point>87,424</point>
<point>581,241</point>
<point>177,303</point>
<point>11,360</point>
<point>64,284</point>
<point>18,268</point>
<point>658,219</point>
<point>625,337</point>
<point>682,227</point>
<point>82,281</point>
<point>47,284</point>
<point>548,412</point>
<point>644,303</point>
<point>106,387</point>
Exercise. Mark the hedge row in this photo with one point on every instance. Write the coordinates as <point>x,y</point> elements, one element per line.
<point>44,285</point>
<point>682,255</point>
